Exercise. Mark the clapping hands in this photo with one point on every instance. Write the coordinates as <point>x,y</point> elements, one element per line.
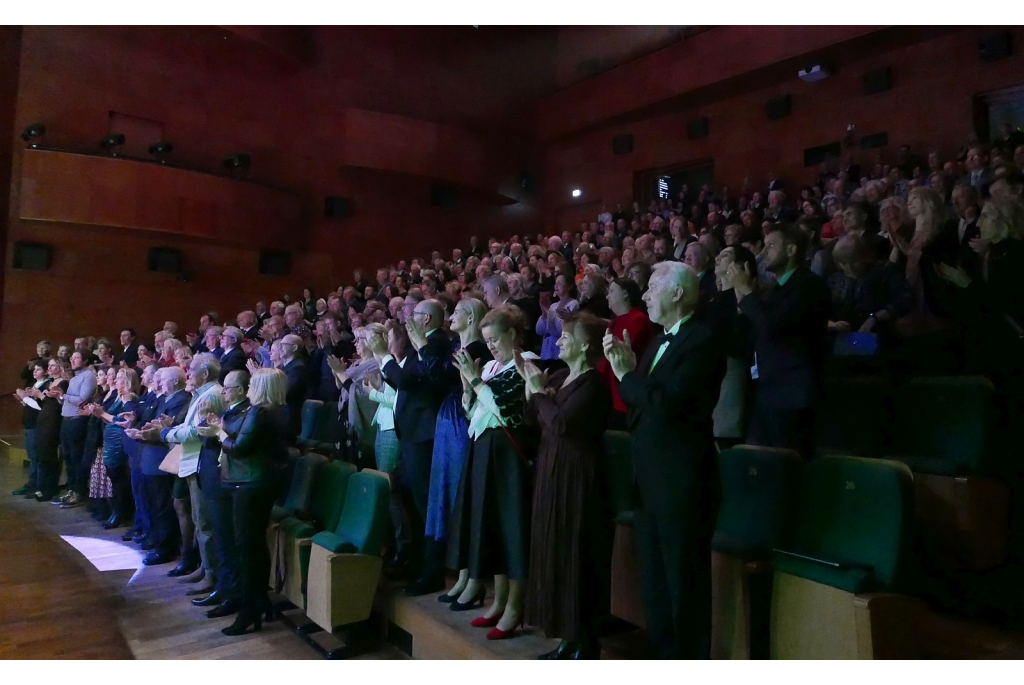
<point>619,353</point>
<point>536,380</point>
<point>468,368</point>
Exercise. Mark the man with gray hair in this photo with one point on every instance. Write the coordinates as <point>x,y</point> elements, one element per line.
<point>298,383</point>
<point>203,372</point>
<point>233,358</point>
<point>671,395</point>
<point>495,291</point>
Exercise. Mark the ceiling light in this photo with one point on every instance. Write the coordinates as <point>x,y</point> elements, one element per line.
<point>577,192</point>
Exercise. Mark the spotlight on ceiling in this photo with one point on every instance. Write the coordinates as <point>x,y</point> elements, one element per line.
<point>239,161</point>
<point>33,132</point>
<point>113,143</point>
<point>161,150</point>
<point>577,192</point>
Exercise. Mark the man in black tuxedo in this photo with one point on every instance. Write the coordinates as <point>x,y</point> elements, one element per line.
<point>966,203</point>
<point>129,353</point>
<point>790,342</point>
<point>422,382</point>
<point>164,534</point>
<point>298,382</point>
<point>233,358</point>
<point>671,395</point>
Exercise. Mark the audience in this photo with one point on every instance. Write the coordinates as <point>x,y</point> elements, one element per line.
<point>476,372</point>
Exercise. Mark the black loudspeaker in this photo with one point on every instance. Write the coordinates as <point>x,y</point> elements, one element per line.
<point>622,145</point>
<point>878,81</point>
<point>697,128</point>
<point>995,47</point>
<point>874,140</point>
<point>32,256</point>
<point>275,263</point>
<point>337,207</point>
<point>443,196</point>
<point>164,260</point>
<point>780,107</point>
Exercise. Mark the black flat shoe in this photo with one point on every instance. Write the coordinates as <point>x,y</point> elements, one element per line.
<point>423,586</point>
<point>184,568</point>
<point>565,650</point>
<point>156,558</point>
<point>213,599</point>
<point>478,599</point>
<point>112,522</point>
<point>226,608</point>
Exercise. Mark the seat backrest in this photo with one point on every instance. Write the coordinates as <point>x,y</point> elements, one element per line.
<point>856,512</point>
<point>759,495</point>
<point>949,420</point>
<point>619,471</point>
<point>853,417</point>
<point>326,423</point>
<point>364,519</point>
<point>304,474</point>
<point>310,413</point>
<point>329,494</point>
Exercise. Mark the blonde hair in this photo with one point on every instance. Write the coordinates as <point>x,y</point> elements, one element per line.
<point>1010,213</point>
<point>934,209</point>
<point>268,386</point>
<point>901,206</point>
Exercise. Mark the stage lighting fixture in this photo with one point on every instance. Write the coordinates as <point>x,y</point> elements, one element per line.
<point>33,132</point>
<point>113,143</point>
<point>239,161</point>
<point>161,150</point>
<point>577,192</point>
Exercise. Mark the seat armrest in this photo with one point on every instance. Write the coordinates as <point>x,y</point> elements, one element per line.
<point>889,625</point>
<point>759,568</point>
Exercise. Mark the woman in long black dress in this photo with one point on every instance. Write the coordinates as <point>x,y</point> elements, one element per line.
<point>570,542</point>
<point>494,529</point>
<point>50,397</point>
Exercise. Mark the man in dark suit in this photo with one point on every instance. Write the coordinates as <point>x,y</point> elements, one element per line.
<point>226,593</point>
<point>966,203</point>
<point>699,258</point>
<point>143,413</point>
<point>671,395</point>
<point>164,532</point>
<point>422,381</point>
<point>298,381</point>
<point>129,353</point>
<point>249,325</point>
<point>233,357</point>
<point>789,326</point>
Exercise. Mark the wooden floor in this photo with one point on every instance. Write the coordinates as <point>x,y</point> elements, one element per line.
<point>69,589</point>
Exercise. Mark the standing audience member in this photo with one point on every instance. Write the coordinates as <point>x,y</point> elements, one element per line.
<point>624,299</point>
<point>74,428</point>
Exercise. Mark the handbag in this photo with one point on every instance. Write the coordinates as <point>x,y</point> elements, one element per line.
<point>172,462</point>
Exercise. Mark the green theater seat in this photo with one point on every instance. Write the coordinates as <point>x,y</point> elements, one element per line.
<point>300,490</point>
<point>945,432</point>
<point>834,594</point>
<point>759,492</point>
<point>625,576</point>
<point>309,415</point>
<point>291,560</point>
<point>345,563</point>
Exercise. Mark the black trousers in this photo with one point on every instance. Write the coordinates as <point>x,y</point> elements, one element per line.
<point>73,431</point>
<point>121,491</point>
<point>792,429</point>
<point>426,556</point>
<point>250,507</point>
<point>159,504</point>
<point>675,584</point>
<point>219,507</point>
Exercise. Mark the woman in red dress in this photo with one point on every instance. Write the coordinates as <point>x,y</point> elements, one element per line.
<point>624,301</point>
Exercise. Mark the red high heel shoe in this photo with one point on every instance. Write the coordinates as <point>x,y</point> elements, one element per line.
<point>486,622</point>
<point>498,634</point>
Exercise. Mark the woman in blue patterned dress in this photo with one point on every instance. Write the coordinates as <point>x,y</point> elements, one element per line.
<point>451,435</point>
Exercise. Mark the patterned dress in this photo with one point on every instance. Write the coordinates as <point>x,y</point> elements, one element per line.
<point>451,446</point>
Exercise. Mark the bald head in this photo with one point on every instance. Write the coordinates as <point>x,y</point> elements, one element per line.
<point>290,346</point>
<point>431,314</point>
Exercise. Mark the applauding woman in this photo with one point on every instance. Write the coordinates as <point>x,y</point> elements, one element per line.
<point>570,544</point>
<point>254,459</point>
<point>491,529</point>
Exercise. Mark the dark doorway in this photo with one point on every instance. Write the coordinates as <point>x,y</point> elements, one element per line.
<point>993,110</point>
<point>667,181</point>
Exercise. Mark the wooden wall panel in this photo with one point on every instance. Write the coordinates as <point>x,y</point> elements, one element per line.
<point>124,193</point>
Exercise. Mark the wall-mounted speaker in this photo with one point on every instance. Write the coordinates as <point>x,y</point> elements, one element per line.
<point>338,207</point>
<point>275,263</point>
<point>697,128</point>
<point>165,260</point>
<point>32,256</point>
<point>780,107</point>
<point>995,47</point>
<point>878,81</point>
<point>874,140</point>
<point>623,144</point>
<point>443,196</point>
